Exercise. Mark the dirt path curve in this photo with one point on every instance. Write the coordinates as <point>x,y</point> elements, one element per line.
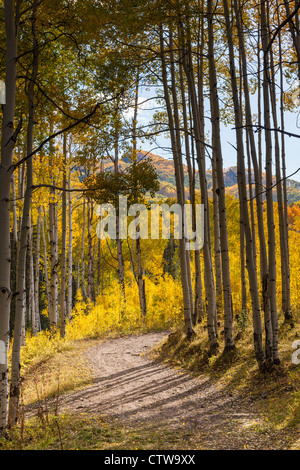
<point>129,387</point>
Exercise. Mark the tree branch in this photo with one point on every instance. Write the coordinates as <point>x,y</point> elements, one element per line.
<point>62,131</point>
<point>260,127</point>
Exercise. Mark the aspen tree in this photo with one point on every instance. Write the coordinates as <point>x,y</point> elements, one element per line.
<point>269,185</point>
<point>45,257</point>
<point>37,272</point>
<point>63,281</point>
<point>256,158</point>
<point>198,304</point>
<point>198,123</point>
<point>26,234</point>
<point>83,285</point>
<point>287,308</point>
<point>91,286</point>
<point>256,314</point>
<point>176,150</point>
<point>8,139</point>
<point>139,265</point>
<point>70,253</point>
<point>217,155</point>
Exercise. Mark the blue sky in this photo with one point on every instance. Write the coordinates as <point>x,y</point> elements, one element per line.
<point>292,124</point>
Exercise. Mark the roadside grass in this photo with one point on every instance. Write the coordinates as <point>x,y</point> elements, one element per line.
<point>85,432</point>
<point>276,394</point>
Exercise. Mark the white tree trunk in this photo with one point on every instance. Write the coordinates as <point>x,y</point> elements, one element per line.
<point>8,138</point>
<point>70,256</point>
<point>63,282</point>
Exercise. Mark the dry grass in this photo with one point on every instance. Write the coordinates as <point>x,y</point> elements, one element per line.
<point>276,393</point>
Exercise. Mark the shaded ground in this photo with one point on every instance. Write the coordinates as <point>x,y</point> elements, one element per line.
<point>132,389</point>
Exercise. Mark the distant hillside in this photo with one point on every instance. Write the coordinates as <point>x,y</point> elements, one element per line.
<point>165,171</point>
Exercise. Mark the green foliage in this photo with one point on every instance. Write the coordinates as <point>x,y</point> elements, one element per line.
<point>135,182</point>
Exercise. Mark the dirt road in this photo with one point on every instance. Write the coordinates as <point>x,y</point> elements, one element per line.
<point>131,388</point>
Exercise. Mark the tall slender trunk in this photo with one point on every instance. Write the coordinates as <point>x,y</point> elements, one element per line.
<point>198,121</point>
<point>217,238</point>
<point>37,272</point>
<point>83,286</point>
<point>256,315</point>
<point>119,242</point>
<point>8,138</point>
<point>139,263</point>
<point>198,304</point>
<point>217,154</point>
<point>53,267</point>
<point>70,255</point>
<point>63,282</point>
<point>31,293</point>
<point>287,311</point>
<point>176,150</point>
<point>256,157</point>
<point>91,285</point>
<point>45,256</point>
<point>269,184</point>
<point>19,324</point>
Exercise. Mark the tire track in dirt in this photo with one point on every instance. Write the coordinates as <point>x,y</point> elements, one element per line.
<point>131,388</point>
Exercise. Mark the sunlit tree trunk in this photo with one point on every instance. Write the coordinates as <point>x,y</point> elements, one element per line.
<point>53,267</point>
<point>176,151</point>
<point>256,157</point>
<point>287,309</point>
<point>31,293</point>
<point>83,285</point>
<point>269,184</point>
<point>8,138</point>
<point>45,256</point>
<point>189,153</point>
<point>217,241</point>
<point>70,254</point>
<point>197,110</point>
<point>119,241</point>
<point>26,233</point>
<point>256,315</point>
<point>37,272</point>
<point>91,286</point>
<point>63,280</point>
<point>217,154</point>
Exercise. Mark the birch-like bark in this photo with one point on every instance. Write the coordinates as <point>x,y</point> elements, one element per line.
<point>139,264</point>
<point>198,303</point>
<point>70,255</point>
<point>287,311</point>
<point>269,184</point>
<point>176,150</point>
<point>53,267</point>
<point>91,286</point>
<point>83,285</point>
<point>198,121</point>
<point>256,315</point>
<point>19,324</point>
<point>217,238</point>
<point>282,231</point>
<point>217,154</point>
<point>256,157</point>
<point>45,256</point>
<point>31,299</point>
<point>63,281</point>
<point>37,273</point>
<point>8,138</point>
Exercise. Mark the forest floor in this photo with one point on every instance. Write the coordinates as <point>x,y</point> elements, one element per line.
<point>136,393</point>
